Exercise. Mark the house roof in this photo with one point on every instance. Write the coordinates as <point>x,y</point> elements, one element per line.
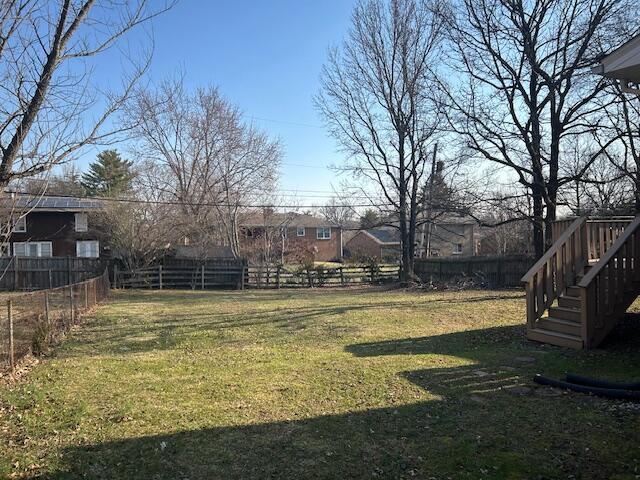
<point>623,63</point>
<point>384,235</point>
<point>258,219</point>
<point>52,203</point>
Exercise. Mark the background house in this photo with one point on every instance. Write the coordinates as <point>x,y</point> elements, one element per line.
<point>49,226</point>
<point>449,235</point>
<point>289,238</point>
<point>382,244</point>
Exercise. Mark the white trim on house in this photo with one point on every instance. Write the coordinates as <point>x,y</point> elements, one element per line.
<point>623,64</point>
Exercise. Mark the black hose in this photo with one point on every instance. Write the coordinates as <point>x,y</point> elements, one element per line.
<point>592,382</point>
<point>601,392</point>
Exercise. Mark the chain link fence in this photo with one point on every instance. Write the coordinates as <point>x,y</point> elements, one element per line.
<point>31,322</point>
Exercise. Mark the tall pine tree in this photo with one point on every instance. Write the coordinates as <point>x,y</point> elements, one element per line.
<point>108,176</point>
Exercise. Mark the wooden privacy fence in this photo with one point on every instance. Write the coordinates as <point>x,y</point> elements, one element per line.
<point>280,277</point>
<point>495,271</point>
<point>37,273</point>
<point>29,322</point>
<point>200,275</point>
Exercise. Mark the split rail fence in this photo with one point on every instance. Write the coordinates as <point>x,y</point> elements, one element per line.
<point>236,274</point>
<point>280,277</point>
<point>30,322</point>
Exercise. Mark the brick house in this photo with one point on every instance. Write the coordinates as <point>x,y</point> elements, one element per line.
<point>290,237</point>
<point>50,226</point>
<point>382,244</point>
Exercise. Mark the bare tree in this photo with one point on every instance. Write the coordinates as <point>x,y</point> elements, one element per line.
<point>339,211</point>
<point>376,99</point>
<point>208,160</point>
<point>527,87</point>
<point>47,86</point>
<point>138,229</point>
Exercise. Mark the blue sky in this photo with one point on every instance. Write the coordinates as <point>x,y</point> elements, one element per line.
<point>266,57</point>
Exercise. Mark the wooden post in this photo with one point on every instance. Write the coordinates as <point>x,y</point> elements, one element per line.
<point>278,277</point>
<point>69,282</point>
<point>160,275</point>
<point>115,275</point>
<point>202,270</point>
<point>373,274</point>
<point>12,360</point>
<point>50,279</point>
<point>46,307</point>
<point>86,296</point>
<point>242,276</point>
<point>15,272</point>
<point>71,304</point>
<point>341,276</point>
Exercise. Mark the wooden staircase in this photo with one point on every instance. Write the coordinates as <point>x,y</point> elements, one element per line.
<point>584,283</point>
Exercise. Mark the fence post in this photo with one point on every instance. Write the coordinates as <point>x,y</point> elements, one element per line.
<point>11,346</point>
<point>115,275</point>
<point>202,270</point>
<point>278,277</point>
<point>373,273</point>
<point>160,275</point>
<point>46,307</point>
<point>69,271</point>
<point>86,296</point>
<point>242,276</point>
<point>50,279</point>
<point>15,272</point>
<point>341,276</point>
<point>71,305</point>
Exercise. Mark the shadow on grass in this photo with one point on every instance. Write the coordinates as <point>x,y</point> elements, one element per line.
<point>484,420</point>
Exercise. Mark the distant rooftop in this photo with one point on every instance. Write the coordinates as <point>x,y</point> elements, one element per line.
<point>384,235</point>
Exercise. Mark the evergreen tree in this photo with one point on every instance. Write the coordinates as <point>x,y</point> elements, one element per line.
<point>108,176</point>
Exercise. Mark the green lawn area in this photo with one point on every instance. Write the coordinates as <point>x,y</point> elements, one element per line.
<point>316,384</point>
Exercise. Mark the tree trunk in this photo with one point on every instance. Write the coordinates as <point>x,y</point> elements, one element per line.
<point>538,223</point>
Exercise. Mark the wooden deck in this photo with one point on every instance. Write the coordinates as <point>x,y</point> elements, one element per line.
<point>584,283</point>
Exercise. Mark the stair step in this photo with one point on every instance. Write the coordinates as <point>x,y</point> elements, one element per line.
<point>554,338</point>
<point>573,292</point>
<point>564,313</point>
<point>569,302</point>
<point>559,325</point>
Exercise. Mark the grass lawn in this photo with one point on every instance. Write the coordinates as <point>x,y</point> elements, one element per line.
<point>316,384</point>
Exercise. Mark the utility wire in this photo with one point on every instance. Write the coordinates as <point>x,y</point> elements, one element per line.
<point>193,204</point>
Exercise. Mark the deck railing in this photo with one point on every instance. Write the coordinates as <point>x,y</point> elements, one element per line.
<point>608,287</point>
<point>556,269</point>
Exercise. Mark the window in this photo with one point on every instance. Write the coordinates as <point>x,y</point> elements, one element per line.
<point>457,249</point>
<point>20,224</point>
<point>88,249</point>
<point>300,232</point>
<point>323,233</point>
<point>82,222</point>
<point>435,252</point>
<point>32,249</point>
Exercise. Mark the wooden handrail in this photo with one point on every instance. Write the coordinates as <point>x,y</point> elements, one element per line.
<point>609,254</point>
<point>575,225</point>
